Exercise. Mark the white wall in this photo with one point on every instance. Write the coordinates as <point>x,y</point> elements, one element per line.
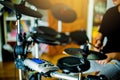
<point>109,3</point>
<point>0,44</point>
<point>90,19</point>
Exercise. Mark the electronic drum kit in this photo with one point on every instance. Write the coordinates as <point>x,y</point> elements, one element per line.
<point>77,62</point>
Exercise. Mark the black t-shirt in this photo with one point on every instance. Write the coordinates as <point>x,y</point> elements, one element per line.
<point>110,27</point>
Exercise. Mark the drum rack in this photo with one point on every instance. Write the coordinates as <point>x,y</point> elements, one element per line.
<point>41,67</point>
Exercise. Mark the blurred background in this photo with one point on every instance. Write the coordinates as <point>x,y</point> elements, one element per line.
<point>50,26</point>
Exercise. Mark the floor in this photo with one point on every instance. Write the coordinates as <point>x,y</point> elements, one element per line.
<point>8,71</point>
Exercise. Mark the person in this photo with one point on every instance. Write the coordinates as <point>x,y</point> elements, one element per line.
<point>109,28</point>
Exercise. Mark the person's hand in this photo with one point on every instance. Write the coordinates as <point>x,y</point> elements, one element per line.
<point>98,46</point>
<point>105,61</point>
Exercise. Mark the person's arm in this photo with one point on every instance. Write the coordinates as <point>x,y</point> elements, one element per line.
<point>99,41</point>
<point>110,56</point>
<point>114,55</point>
